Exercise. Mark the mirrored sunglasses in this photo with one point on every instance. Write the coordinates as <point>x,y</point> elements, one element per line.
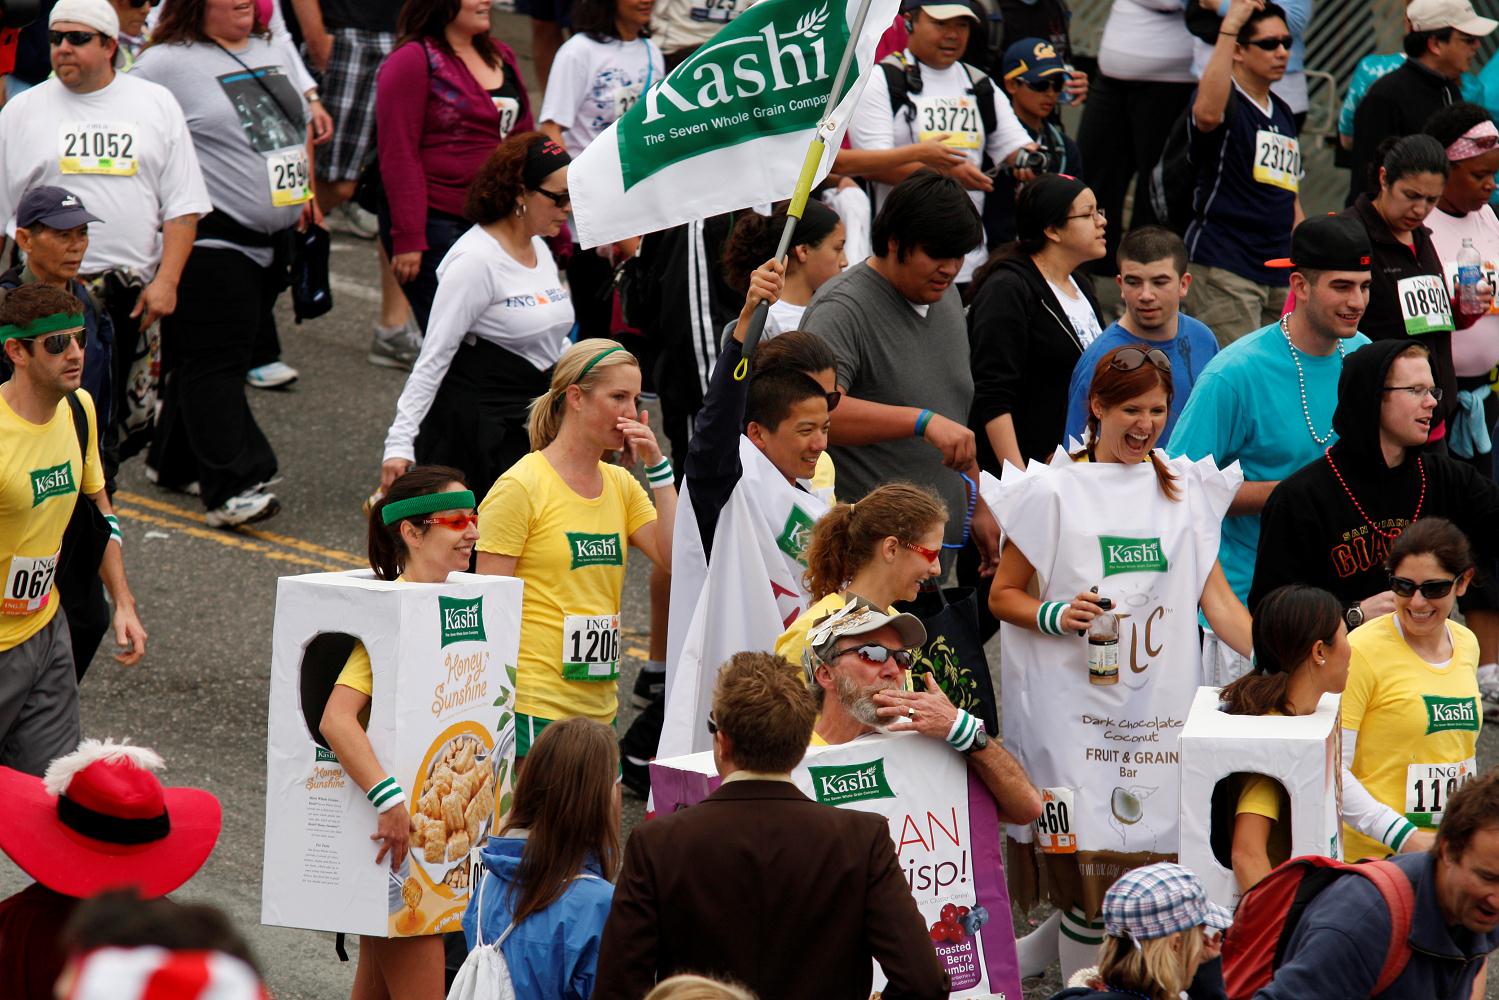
<point>1129,358</point>
<point>878,655</point>
<point>57,343</point>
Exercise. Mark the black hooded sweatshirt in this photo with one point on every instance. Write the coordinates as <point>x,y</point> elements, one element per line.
<point>1311,532</point>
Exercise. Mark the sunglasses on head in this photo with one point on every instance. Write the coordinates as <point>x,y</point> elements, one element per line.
<point>57,343</point>
<point>878,655</point>
<point>1271,44</point>
<point>1054,85</point>
<point>456,521</point>
<point>1129,358</point>
<point>559,198</point>
<point>74,38</point>
<point>1432,590</point>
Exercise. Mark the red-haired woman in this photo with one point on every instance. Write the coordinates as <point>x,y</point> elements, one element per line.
<point>1117,521</point>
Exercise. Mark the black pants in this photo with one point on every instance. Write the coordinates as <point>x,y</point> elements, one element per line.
<point>591,280</point>
<point>1125,125</point>
<point>443,231</point>
<point>207,432</point>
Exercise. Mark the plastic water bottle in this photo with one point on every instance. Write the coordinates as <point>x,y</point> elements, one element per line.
<point>1469,274</point>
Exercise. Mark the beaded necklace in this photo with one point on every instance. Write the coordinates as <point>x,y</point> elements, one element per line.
<point>1388,535</point>
<point>1301,382</point>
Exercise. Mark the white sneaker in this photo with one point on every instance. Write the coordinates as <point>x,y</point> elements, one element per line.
<point>1488,683</point>
<point>191,489</point>
<point>246,508</point>
<point>276,375</point>
<point>395,348</point>
<point>350,218</point>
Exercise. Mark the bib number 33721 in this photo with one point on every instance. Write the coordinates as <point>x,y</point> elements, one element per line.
<point>28,584</point>
<point>590,647</point>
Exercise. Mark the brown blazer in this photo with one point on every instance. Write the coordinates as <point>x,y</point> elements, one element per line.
<point>759,884</point>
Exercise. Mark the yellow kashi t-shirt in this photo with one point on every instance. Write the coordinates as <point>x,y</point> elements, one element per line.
<point>570,551</point>
<point>44,472</point>
<point>1410,715</point>
<point>1264,796</point>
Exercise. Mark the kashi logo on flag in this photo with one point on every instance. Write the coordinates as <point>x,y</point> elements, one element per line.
<point>1131,555</point>
<point>54,482</point>
<point>766,73</point>
<point>462,621</point>
<point>594,550</point>
<point>842,783</point>
<point>796,534</point>
<point>1446,714</point>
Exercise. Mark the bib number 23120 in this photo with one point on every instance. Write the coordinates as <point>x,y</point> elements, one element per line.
<point>590,647</point>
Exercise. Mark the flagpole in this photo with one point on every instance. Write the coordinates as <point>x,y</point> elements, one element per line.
<point>803,189</point>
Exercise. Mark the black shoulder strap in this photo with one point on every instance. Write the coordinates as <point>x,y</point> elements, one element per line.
<point>982,88</point>
<point>80,424</point>
<point>895,79</point>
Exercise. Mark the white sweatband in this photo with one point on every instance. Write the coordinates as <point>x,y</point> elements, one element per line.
<point>115,535</point>
<point>385,795</point>
<point>660,475</point>
<point>1049,617</point>
<point>965,729</point>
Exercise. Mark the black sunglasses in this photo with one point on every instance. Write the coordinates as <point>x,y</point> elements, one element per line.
<point>138,4</point>
<point>1432,590</point>
<point>74,38</point>
<point>833,398</point>
<point>712,725</point>
<point>879,654</point>
<point>1127,359</point>
<point>1042,86</point>
<point>1271,44</point>
<point>559,198</point>
<point>56,343</point>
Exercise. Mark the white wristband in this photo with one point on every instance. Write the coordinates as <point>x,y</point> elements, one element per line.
<point>965,729</point>
<point>385,795</point>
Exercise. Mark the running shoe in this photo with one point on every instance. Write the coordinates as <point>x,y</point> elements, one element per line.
<point>276,375</point>
<point>191,489</point>
<point>635,776</point>
<point>650,685</point>
<point>351,219</point>
<point>246,508</point>
<point>396,348</point>
<point>1488,683</point>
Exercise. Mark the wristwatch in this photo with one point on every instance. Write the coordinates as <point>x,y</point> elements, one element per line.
<point>1354,616</point>
<point>980,740</point>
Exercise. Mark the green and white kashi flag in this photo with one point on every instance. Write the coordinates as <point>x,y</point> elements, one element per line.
<point>730,126</point>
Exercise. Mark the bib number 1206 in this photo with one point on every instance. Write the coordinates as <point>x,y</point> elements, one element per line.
<point>590,647</point>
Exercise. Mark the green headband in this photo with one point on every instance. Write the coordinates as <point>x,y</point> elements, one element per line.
<point>428,504</point>
<point>41,325</point>
<point>596,359</point>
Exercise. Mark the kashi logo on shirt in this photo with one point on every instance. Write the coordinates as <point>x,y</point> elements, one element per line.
<point>594,550</point>
<point>54,482</point>
<point>796,534</point>
<point>1447,714</point>
<point>462,621</point>
<point>1131,555</point>
<point>842,783</point>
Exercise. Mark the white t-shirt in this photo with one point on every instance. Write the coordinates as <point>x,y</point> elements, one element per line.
<point>593,83</point>
<point>1147,40</point>
<point>945,104</point>
<point>484,292</point>
<point>685,24</point>
<point>153,174</point>
<point>1476,349</point>
<point>784,317</point>
<point>1079,312</point>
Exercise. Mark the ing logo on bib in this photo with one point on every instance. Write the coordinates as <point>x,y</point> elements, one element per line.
<point>53,482</point>
<point>1447,714</point>
<point>594,550</point>
<point>1131,555</point>
<point>462,621</point>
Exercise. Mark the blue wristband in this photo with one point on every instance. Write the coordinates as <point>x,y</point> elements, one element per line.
<point>922,419</point>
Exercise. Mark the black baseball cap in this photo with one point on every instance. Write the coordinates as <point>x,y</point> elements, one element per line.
<point>53,207</point>
<point>1328,243</point>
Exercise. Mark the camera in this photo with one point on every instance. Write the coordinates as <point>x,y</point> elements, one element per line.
<point>1036,160</point>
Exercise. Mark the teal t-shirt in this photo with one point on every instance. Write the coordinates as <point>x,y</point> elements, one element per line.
<point>1246,407</point>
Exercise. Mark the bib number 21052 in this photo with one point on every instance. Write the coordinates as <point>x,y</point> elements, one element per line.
<point>590,647</point>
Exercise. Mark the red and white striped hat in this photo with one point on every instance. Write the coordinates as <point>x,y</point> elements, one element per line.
<point>159,974</point>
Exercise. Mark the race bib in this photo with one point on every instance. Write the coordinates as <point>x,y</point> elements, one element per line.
<point>590,647</point>
<point>1489,276</point>
<point>28,584</point>
<point>509,109</point>
<point>1424,304</point>
<point>956,115</point>
<point>291,182</point>
<point>625,98</point>
<point>716,11</point>
<point>1054,825</point>
<point>1277,160</point>
<point>1429,786</point>
<point>98,148</point>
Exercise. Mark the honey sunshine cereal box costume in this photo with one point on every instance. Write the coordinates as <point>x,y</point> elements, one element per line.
<point>946,831</point>
<point>1105,756</point>
<point>441,720</point>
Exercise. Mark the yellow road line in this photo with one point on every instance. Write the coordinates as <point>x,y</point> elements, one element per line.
<point>344,558</point>
<point>226,538</point>
<point>638,653</point>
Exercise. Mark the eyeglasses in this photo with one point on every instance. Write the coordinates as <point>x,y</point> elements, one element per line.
<point>1042,86</point>
<point>1097,215</point>
<point>458,522</point>
<point>559,198</point>
<point>1432,590</point>
<point>1419,391</point>
<point>878,655</point>
<point>923,551</point>
<point>74,38</point>
<point>57,343</point>
<point>1271,44</point>
<point>1127,359</point>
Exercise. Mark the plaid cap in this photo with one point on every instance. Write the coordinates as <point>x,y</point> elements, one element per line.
<point>1158,900</point>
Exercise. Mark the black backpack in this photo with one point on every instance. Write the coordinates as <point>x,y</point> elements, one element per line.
<point>1171,184</point>
<point>899,81</point>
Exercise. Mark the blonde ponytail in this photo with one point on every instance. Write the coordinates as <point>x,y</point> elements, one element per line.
<point>580,365</point>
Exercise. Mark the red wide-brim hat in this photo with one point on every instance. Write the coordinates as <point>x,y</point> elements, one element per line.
<point>56,852</point>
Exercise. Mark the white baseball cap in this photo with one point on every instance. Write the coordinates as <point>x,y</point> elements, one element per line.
<point>940,10</point>
<point>97,14</point>
<point>1434,15</point>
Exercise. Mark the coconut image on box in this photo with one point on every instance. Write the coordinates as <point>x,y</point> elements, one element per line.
<point>1218,752</point>
<point>441,720</point>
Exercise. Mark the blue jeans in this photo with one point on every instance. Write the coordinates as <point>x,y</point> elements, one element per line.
<point>443,231</point>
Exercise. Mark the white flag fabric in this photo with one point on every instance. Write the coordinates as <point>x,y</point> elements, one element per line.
<point>741,599</point>
<point>730,126</point>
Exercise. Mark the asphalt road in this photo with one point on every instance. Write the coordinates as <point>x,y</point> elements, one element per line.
<point>207,598</point>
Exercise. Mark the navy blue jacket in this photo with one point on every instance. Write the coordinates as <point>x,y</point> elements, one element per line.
<point>1338,948</point>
